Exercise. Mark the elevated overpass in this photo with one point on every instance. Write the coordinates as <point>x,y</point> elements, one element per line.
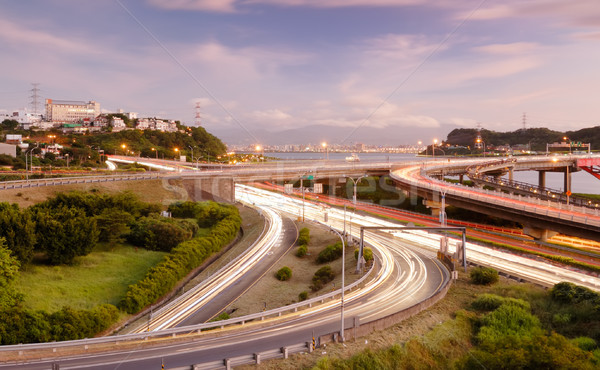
<point>539,212</point>
<point>541,216</point>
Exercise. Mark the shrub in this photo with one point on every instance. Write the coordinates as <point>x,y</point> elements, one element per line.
<point>487,302</point>
<point>330,253</point>
<point>222,316</point>
<point>302,251</point>
<point>304,236</point>
<point>367,254</point>
<point>303,296</point>
<point>182,259</point>
<point>323,275</point>
<point>585,343</point>
<point>284,273</point>
<point>490,302</point>
<point>484,275</point>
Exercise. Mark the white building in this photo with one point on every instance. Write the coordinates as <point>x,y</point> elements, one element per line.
<point>67,111</point>
<point>25,119</point>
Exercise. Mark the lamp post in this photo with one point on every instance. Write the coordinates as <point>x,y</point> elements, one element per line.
<point>482,142</point>
<point>343,277</point>
<point>324,145</point>
<point>124,146</point>
<point>570,144</point>
<point>156,152</point>
<point>176,152</point>
<point>192,153</point>
<point>355,184</point>
<point>260,151</point>
<point>433,148</point>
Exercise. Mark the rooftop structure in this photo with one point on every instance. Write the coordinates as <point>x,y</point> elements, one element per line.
<point>67,111</point>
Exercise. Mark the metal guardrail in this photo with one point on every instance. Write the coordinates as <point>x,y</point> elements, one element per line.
<point>34,183</point>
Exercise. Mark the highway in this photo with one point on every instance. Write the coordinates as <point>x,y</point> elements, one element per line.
<point>403,277</point>
<point>185,306</point>
<point>540,272</point>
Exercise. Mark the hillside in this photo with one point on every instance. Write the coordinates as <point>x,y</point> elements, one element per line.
<point>536,137</point>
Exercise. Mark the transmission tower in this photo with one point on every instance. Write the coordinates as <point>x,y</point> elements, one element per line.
<point>524,121</point>
<point>197,118</point>
<point>35,97</point>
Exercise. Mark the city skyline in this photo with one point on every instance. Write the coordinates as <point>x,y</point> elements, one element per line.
<point>392,71</point>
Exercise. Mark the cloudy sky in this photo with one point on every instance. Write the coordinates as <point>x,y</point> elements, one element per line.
<point>403,69</point>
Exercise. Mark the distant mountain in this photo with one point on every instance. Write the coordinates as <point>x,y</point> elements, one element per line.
<point>314,134</point>
<point>536,137</point>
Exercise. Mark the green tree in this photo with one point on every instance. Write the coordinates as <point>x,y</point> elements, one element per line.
<point>18,229</point>
<point>65,233</point>
<point>113,225</point>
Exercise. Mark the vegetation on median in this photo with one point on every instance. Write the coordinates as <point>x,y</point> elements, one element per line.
<point>87,216</point>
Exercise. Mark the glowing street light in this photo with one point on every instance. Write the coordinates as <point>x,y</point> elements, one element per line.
<point>124,148</point>
<point>479,141</point>
<point>570,143</point>
<point>155,151</point>
<point>326,148</point>
<point>435,141</point>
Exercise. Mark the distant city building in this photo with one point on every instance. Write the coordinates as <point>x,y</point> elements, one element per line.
<point>14,139</point>
<point>25,119</point>
<point>67,111</point>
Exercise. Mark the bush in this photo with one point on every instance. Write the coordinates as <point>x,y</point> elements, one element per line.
<point>487,302</point>
<point>330,253</point>
<point>304,236</point>
<point>182,259</point>
<point>367,254</point>
<point>585,343</point>
<point>302,251</point>
<point>303,296</point>
<point>284,274</point>
<point>490,302</point>
<point>161,233</point>
<point>484,275</point>
<point>323,276</point>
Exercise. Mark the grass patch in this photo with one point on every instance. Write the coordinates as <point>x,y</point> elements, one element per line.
<point>100,277</point>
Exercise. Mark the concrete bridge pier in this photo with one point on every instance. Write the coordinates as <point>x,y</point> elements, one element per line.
<point>435,206</point>
<point>538,234</point>
<point>542,179</point>
<point>567,179</point>
<point>510,174</point>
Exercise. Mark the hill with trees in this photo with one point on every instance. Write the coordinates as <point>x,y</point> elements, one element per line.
<point>536,137</point>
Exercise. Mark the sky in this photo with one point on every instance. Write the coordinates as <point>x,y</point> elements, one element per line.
<point>377,71</point>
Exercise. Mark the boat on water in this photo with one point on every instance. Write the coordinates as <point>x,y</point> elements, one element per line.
<point>353,158</point>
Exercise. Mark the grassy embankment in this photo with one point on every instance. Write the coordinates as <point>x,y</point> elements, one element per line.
<point>100,277</point>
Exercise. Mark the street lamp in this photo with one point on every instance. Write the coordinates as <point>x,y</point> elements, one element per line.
<point>570,144</point>
<point>155,151</point>
<point>355,184</point>
<point>124,146</point>
<point>343,276</point>
<point>176,152</point>
<point>192,153</point>
<point>479,141</point>
<point>433,147</point>
<point>324,145</point>
<point>260,151</point>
